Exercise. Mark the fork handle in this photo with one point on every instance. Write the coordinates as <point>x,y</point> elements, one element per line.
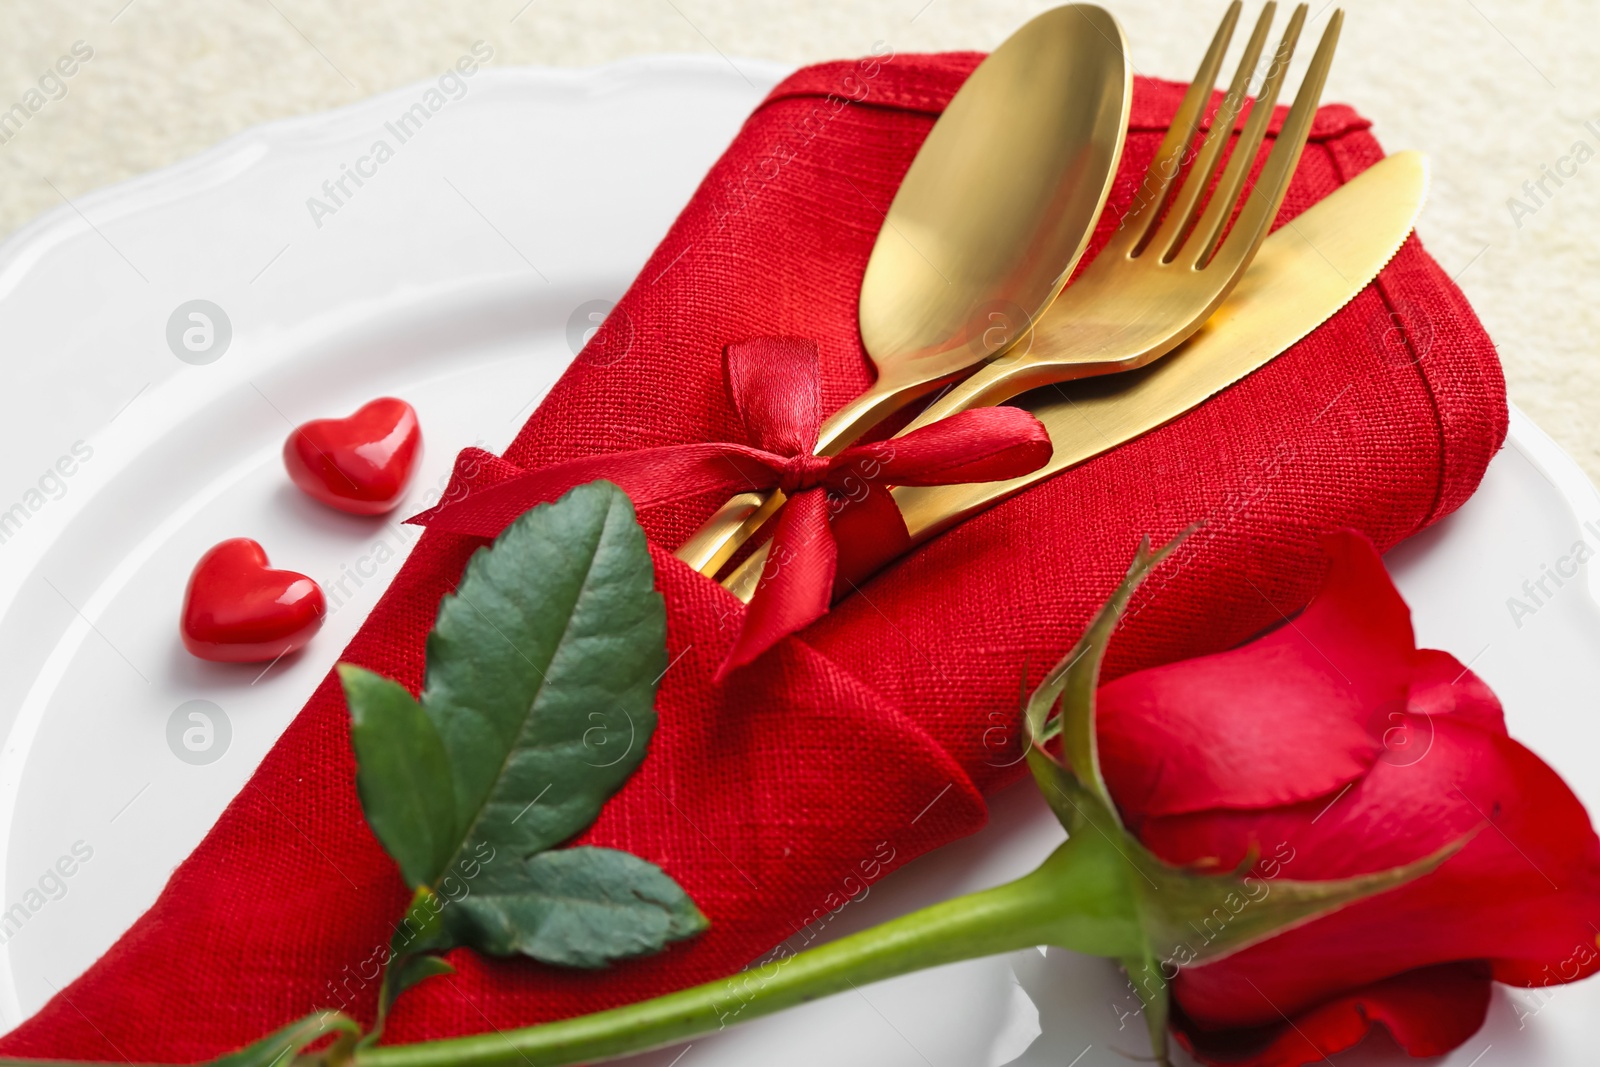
<point>730,526</point>
<point>991,385</point>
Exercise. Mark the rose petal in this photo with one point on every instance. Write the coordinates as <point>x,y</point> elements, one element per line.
<point>1440,685</point>
<point>1428,1012</point>
<point>1293,715</point>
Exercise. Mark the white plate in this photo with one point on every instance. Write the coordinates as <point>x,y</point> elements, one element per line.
<point>478,248</point>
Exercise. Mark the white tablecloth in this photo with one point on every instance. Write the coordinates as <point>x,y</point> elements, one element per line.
<point>1498,92</point>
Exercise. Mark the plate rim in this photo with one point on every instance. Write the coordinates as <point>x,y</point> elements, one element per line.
<point>213,167</point>
<point>218,161</point>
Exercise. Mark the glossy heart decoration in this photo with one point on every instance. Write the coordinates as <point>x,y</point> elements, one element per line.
<point>238,610</point>
<point>359,464</point>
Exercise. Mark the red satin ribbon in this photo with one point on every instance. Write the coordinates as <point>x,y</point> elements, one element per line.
<point>773,382</point>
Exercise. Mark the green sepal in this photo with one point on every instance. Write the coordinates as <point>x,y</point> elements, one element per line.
<point>1191,919</point>
<point>1071,686</point>
<point>1149,983</point>
<point>1206,917</point>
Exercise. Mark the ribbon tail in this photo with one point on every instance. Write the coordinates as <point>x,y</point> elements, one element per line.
<point>796,584</point>
<point>474,471</point>
<point>650,477</point>
<point>980,445</point>
<point>869,532</point>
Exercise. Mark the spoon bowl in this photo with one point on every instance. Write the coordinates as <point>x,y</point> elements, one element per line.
<point>1000,201</point>
<point>988,224</point>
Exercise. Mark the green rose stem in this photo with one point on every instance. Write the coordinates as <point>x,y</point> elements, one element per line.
<point>1102,893</point>
<point>1078,899</point>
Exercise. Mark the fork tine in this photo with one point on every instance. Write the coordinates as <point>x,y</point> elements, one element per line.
<point>1208,233</point>
<point>1262,207</point>
<point>1158,177</point>
<point>1182,214</point>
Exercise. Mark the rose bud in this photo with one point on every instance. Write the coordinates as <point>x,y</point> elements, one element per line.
<point>1331,748</point>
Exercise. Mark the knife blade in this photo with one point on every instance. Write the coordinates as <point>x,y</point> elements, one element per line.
<point>1306,271</point>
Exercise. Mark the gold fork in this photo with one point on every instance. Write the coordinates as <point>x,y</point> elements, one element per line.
<point>1170,264</point>
<point>1164,273</point>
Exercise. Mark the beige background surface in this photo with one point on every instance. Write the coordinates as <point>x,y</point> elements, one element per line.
<point>1494,90</point>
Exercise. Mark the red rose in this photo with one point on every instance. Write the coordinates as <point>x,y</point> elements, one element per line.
<point>1333,747</point>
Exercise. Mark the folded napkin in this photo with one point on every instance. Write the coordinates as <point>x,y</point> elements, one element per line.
<point>873,735</point>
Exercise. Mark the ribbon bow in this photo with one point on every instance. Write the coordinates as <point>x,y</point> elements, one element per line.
<point>773,382</point>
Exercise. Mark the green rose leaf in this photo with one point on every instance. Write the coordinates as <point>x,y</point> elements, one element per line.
<point>404,779</point>
<point>579,907</point>
<point>539,702</point>
<point>415,969</point>
<point>542,672</point>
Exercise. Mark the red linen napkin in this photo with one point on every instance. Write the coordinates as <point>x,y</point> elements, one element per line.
<point>872,736</point>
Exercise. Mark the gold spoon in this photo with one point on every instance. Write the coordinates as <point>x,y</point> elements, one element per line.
<point>1173,261</point>
<point>991,218</point>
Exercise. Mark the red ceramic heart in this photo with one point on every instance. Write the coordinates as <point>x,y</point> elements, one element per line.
<point>359,464</point>
<point>238,610</point>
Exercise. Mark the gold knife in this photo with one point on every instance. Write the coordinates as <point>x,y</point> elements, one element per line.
<point>1306,270</point>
